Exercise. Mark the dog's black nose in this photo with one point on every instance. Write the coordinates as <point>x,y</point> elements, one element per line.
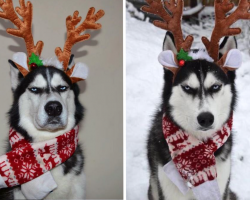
<point>205,119</point>
<point>53,108</point>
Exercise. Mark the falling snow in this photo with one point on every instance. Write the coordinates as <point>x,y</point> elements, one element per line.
<point>144,82</point>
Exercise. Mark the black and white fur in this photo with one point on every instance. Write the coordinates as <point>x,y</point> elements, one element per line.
<point>48,86</point>
<point>199,87</point>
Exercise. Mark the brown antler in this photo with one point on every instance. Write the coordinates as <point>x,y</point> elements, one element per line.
<point>223,23</point>
<point>172,20</point>
<point>73,33</point>
<point>24,26</point>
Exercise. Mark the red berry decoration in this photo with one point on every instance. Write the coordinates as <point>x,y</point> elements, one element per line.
<point>181,63</point>
<point>33,66</point>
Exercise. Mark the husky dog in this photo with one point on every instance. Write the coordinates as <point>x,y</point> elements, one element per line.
<point>45,106</point>
<point>199,101</point>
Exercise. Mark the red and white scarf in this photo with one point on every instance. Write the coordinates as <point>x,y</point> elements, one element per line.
<point>193,158</point>
<point>27,161</point>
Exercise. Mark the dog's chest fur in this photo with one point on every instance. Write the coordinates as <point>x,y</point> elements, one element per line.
<point>170,191</point>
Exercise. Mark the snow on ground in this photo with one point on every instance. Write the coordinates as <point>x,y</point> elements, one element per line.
<point>144,81</point>
<point>192,11</point>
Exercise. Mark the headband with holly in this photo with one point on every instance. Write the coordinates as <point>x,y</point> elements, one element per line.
<point>34,51</point>
<point>171,14</point>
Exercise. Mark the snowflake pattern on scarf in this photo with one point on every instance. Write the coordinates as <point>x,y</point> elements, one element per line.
<point>194,159</point>
<point>27,160</point>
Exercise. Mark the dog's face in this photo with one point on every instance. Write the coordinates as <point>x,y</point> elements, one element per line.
<point>202,98</point>
<point>49,100</point>
<point>46,102</point>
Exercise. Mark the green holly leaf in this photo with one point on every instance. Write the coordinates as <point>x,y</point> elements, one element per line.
<point>183,55</point>
<point>35,59</point>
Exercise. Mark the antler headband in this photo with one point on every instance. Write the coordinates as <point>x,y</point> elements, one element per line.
<point>171,13</point>
<point>34,51</point>
<point>223,23</point>
<point>172,20</point>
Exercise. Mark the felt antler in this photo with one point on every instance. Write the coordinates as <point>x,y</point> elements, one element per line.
<point>73,34</point>
<point>23,26</point>
<point>223,23</point>
<point>171,13</point>
<point>77,72</point>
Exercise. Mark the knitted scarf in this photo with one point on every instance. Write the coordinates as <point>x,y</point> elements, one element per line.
<point>194,159</point>
<point>27,161</point>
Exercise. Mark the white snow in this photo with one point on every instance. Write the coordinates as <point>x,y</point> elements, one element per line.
<point>194,10</point>
<point>144,81</point>
<point>134,11</point>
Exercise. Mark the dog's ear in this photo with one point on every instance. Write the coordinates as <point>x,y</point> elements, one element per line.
<point>71,61</point>
<point>231,60</point>
<point>168,61</point>
<point>230,56</point>
<point>227,44</point>
<point>78,71</point>
<point>15,75</point>
<point>18,68</point>
<point>169,43</point>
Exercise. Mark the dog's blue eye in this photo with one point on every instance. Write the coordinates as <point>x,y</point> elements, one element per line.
<point>62,88</point>
<point>186,87</point>
<point>216,87</point>
<point>35,90</point>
